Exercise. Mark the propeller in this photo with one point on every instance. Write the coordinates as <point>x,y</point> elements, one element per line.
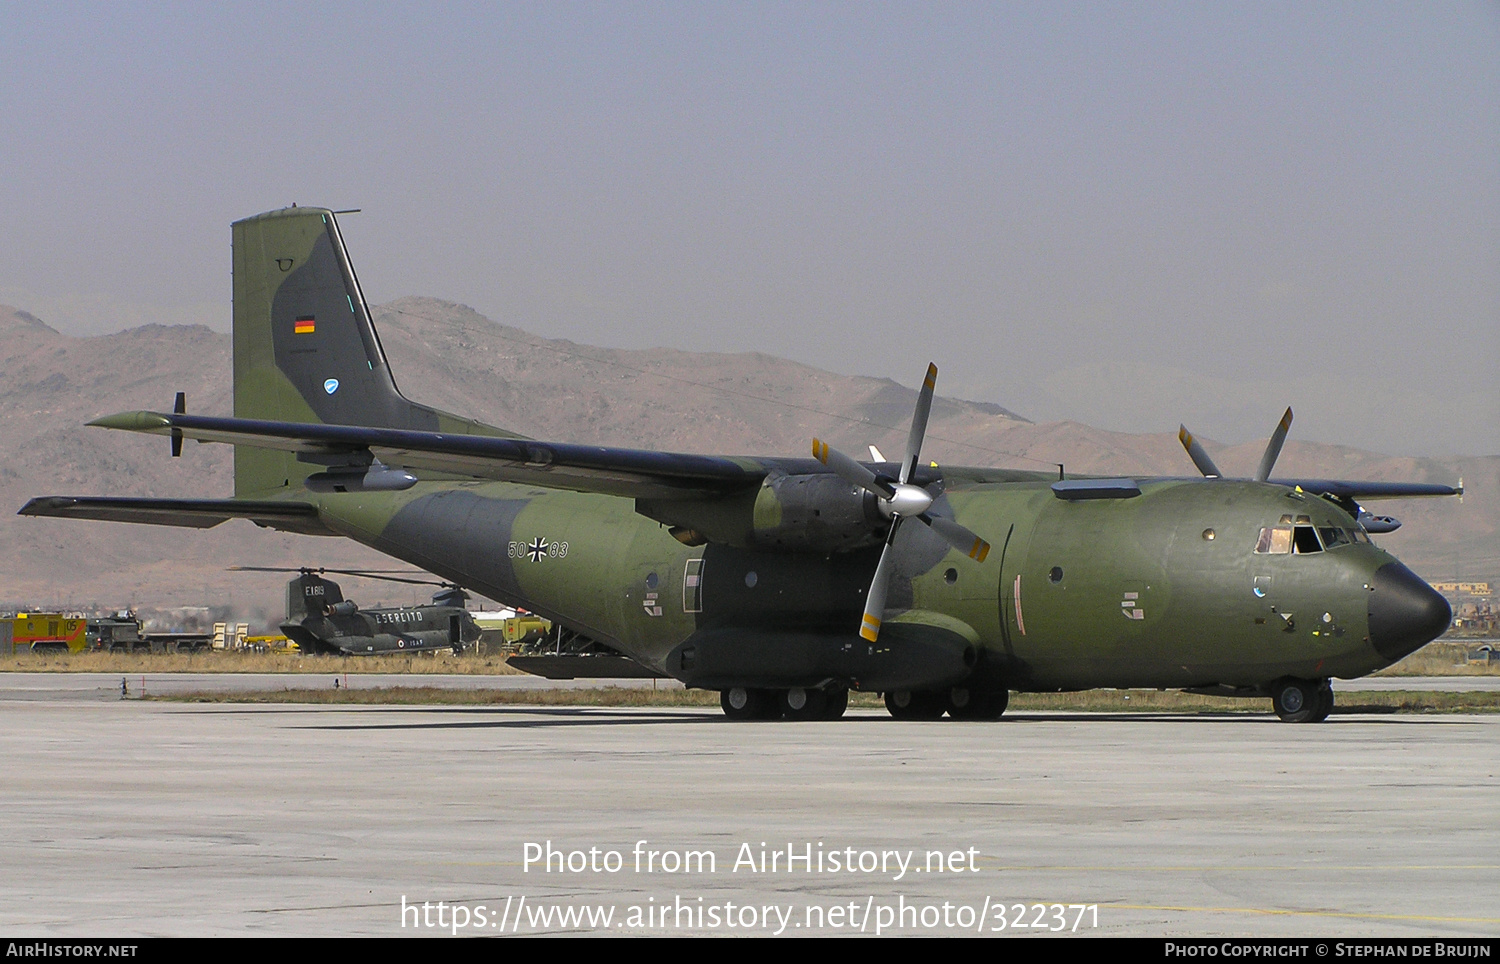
<point>1376,524</point>
<point>1206,465</point>
<point>1273,447</point>
<point>1195,452</point>
<point>900,500</point>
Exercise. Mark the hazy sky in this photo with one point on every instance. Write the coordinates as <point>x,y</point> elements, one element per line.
<point>1130,214</point>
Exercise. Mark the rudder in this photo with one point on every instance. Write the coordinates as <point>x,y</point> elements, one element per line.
<point>305,349</point>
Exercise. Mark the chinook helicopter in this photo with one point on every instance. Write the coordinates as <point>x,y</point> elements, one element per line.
<point>785,583</point>
<point>320,620</point>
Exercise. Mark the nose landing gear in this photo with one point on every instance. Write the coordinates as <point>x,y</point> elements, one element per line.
<point>1302,700</point>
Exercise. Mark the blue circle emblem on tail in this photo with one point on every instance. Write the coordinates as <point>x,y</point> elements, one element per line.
<point>331,385</point>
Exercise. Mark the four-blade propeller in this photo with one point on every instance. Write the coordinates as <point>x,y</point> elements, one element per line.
<point>900,499</point>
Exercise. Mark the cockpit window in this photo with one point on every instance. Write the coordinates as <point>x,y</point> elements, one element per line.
<point>1301,539</point>
<point>1275,540</point>
<point>1334,536</point>
<point>1305,540</point>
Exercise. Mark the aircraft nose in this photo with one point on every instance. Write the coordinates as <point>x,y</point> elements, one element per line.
<point>1405,613</point>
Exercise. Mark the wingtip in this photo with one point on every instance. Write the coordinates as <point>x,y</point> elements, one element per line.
<point>133,421</point>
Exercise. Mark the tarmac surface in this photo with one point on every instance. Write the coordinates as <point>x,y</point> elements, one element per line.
<point>106,686</point>
<point>132,818</point>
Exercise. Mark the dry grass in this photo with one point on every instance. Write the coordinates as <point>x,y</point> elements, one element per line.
<point>1095,701</point>
<point>1444,657</point>
<point>1441,658</point>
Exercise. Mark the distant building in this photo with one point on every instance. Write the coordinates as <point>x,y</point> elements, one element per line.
<point>1465,588</point>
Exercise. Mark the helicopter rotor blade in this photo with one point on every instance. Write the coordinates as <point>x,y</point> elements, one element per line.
<point>385,574</point>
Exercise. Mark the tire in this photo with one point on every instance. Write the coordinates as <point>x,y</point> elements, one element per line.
<point>1325,703</point>
<point>1298,700</point>
<point>835,702</point>
<point>915,704</point>
<point>799,703</point>
<point>967,704</point>
<point>740,703</point>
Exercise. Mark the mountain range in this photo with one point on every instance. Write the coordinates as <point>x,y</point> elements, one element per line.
<point>451,357</point>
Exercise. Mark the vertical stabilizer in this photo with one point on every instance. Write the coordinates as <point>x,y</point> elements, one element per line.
<point>310,595</point>
<point>305,349</point>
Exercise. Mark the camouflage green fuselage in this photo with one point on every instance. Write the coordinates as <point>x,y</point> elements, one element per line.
<point>1162,590</point>
<point>744,573</point>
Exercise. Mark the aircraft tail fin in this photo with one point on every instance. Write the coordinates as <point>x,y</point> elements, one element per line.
<point>309,595</point>
<point>305,347</point>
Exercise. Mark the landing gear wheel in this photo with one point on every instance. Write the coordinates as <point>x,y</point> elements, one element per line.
<point>801,703</point>
<point>1325,703</point>
<point>740,703</point>
<point>915,704</point>
<point>1298,700</point>
<point>835,701</point>
<point>967,704</point>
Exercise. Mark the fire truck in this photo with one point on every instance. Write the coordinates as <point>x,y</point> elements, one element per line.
<point>42,633</point>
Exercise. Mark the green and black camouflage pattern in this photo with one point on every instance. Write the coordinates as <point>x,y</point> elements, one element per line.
<point>751,572</point>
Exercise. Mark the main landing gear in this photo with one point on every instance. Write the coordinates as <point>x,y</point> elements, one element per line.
<point>798,703</point>
<point>960,703</point>
<point>1302,700</point>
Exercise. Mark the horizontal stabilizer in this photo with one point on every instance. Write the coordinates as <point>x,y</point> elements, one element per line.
<point>193,513</point>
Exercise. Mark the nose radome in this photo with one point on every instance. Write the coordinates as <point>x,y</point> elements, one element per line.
<point>1405,613</point>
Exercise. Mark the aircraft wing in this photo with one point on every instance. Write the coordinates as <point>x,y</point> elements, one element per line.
<point>195,513</point>
<point>583,468</point>
<point>1370,490</point>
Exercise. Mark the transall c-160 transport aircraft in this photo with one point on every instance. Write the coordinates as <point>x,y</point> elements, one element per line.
<point>785,583</point>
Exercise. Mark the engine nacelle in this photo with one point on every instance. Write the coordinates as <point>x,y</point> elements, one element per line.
<point>816,513</point>
<point>1378,524</point>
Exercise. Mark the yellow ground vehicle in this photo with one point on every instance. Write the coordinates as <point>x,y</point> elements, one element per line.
<point>506,630</point>
<point>42,633</point>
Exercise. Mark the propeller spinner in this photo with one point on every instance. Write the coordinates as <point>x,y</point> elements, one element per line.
<point>900,500</point>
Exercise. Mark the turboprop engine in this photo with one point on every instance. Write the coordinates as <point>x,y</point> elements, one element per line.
<point>816,513</point>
